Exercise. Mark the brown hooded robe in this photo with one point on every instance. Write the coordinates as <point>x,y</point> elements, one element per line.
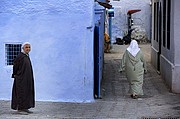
<point>23,95</point>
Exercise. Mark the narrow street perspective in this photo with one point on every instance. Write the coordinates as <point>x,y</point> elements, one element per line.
<point>63,59</point>
<point>157,103</point>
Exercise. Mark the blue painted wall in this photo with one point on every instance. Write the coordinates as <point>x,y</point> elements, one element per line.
<point>61,35</point>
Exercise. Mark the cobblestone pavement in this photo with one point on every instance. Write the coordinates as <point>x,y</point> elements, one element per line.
<point>158,102</point>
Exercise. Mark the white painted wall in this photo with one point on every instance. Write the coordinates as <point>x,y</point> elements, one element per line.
<point>169,58</point>
<point>176,30</point>
<point>62,46</point>
<point>175,43</point>
<point>142,18</point>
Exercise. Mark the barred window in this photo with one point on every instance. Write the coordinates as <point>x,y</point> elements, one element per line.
<point>168,24</point>
<point>11,51</point>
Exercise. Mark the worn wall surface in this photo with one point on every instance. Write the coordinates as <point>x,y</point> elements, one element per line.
<point>170,65</point>
<point>169,57</point>
<point>175,43</point>
<point>61,35</point>
<point>142,19</point>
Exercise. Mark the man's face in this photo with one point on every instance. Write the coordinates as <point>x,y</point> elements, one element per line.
<point>27,48</point>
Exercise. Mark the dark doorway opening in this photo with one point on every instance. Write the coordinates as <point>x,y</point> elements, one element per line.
<point>96,63</point>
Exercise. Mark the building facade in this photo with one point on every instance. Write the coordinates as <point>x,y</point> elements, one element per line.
<point>61,34</point>
<point>165,41</point>
<point>141,19</point>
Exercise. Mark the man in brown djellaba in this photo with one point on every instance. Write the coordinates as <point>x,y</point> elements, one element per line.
<point>23,94</point>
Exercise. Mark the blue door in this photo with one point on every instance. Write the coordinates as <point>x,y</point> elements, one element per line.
<point>97,62</point>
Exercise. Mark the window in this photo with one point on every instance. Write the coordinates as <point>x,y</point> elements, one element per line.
<point>164,23</point>
<point>168,23</point>
<point>157,22</point>
<point>11,51</point>
<point>159,27</point>
<point>155,19</point>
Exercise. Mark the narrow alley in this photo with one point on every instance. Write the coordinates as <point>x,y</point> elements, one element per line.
<point>158,102</point>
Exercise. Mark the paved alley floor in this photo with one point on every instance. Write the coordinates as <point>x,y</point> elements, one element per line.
<point>158,102</point>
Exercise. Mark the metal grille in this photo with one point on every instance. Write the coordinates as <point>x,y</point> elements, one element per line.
<point>11,51</point>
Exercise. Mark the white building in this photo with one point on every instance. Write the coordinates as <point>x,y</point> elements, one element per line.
<point>165,41</point>
<point>142,19</point>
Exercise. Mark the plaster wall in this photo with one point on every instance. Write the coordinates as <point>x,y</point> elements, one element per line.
<point>61,35</point>
<point>166,71</point>
<point>142,19</point>
<point>154,56</point>
<point>169,58</point>
<point>176,42</point>
<point>170,64</point>
<point>176,29</point>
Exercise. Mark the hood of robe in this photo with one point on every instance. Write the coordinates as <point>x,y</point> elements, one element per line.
<point>133,48</point>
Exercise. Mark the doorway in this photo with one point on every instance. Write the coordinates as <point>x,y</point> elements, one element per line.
<point>96,63</point>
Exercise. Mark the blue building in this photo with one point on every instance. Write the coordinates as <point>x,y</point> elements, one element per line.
<point>63,52</point>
